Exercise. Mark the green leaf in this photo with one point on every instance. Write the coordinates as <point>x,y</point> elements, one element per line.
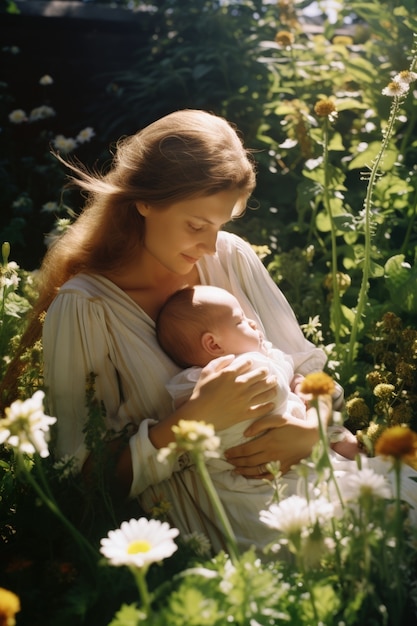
<point>375,270</point>
<point>336,142</point>
<point>350,103</point>
<point>336,176</point>
<point>345,223</point>
<point>401,281</point>
<point>326,602</point>
<point>365,158</point>
<point>128,615</point>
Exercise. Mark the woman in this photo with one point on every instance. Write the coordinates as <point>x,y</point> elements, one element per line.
<point>151,226</point>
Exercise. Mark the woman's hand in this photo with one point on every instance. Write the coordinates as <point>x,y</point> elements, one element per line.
<point>227,393</point>
<point>285,439</point>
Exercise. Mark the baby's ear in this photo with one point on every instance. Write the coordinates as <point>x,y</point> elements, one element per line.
<point>210,345</point>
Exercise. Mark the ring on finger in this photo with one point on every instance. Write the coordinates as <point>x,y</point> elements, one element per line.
<point>262,469</point>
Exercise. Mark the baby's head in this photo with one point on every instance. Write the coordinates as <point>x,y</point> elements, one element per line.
<point>198,324</point>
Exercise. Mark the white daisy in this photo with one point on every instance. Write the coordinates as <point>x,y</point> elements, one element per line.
<point>50,207</point>
<point>294,514</point>
<point>26,427</point>
<point>85,135</point>
<point>18,116</point>
<point>364,483</point>
<point>139,542</point>
<point>41,113</point>
<point>64,144</point>
<point>46,80</point>
<point>395,88</point>
<point>289,516</point>
<point>406,77</point>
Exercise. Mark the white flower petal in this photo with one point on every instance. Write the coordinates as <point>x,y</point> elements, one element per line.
<point>158,535</point>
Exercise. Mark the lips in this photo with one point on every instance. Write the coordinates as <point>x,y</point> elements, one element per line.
<point>189,259</point>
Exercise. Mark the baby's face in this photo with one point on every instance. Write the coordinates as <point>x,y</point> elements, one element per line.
<point>236,332</point>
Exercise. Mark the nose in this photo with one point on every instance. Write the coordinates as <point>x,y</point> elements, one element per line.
<point>253,324</point>
<point>209,243</point>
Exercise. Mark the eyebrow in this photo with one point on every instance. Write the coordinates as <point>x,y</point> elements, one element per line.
<point>202,219</point>
<point>207,221</point>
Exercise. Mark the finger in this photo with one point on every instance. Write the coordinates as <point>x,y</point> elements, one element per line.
<point>259,471</point>
<point>246,460</point>
<point>218,364</point>
<point>254,376</point>
<point>264,423</point>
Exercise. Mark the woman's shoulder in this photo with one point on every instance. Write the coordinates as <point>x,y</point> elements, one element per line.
<point>229,241</point>
<point>89,293</point>
<point>89,285</point>
<point>232,246</point>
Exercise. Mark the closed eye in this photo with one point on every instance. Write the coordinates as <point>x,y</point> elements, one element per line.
<point>195,228</point>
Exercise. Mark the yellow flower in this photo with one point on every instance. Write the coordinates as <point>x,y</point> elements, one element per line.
<point>398,442</point>
<point>196,436</point>
<point>284,38</point>
<point>326,108</point>
<point>317,384</point>
<point>193,437</point>
<point>374,431</point>
<point>357,408</point>
<point>9,606</point>
<point>342,40</point>
<point>374,378</point>
<point>343,282</point>
<point>384,391</point>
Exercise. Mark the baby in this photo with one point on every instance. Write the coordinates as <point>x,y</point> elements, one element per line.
<point>196,325</point>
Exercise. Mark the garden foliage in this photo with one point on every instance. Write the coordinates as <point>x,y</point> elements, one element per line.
<point>334,219</point>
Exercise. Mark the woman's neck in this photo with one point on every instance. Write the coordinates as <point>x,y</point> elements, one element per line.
<point>148,283</point>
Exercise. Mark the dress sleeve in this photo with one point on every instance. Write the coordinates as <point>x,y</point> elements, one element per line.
<point>76,343</point>
<point>274,312</point>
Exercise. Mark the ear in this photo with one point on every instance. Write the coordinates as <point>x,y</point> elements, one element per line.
<point>143,208</point>
<point>210,345</point>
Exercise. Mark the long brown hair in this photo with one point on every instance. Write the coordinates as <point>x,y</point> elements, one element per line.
<point>184,154</point>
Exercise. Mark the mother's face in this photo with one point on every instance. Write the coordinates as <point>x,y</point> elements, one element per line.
<point>180,234</point>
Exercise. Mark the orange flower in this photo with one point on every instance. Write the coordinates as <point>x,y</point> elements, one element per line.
<point>399,442</point>
<point>317,384</point>
<point>9,606</point>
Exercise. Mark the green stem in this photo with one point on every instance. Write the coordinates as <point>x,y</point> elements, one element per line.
<point>366,270</point>
<point>296,541</point>
<point>140,578</point>
<point>410,226</point>
<point>337,316</point>
<point>323,438</point>
<point>218,507</point>
<point>363,292</point>
<point>48,499</point>
<point>398,533</point>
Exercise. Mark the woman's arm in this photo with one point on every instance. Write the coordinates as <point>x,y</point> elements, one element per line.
<point>286,439</point>
<point>225,394</point>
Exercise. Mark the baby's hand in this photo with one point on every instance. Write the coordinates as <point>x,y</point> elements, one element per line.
<point>345,443</point>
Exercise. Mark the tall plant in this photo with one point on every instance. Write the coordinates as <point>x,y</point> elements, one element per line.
<point>322,127</point>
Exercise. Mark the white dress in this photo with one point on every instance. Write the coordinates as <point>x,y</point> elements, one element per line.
<point>244,498</point>
<point>93,326</point>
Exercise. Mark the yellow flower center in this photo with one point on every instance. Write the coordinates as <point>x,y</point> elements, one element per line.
<point>138,546</point>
